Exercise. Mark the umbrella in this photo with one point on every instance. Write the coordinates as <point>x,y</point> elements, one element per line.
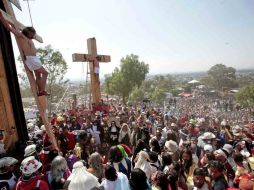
<point>193,81</point>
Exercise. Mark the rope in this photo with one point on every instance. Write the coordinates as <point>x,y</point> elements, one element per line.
<point>29,12</point>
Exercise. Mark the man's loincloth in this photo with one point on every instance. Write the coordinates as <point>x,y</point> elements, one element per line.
<point>33,63</point>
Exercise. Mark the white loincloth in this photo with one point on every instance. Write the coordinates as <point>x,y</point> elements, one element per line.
<point>33,63</point>
<point>96,70</point>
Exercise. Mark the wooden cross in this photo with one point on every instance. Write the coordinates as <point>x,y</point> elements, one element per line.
<point>40,101</point>
<point>20,25</point>
<point>93,60</point>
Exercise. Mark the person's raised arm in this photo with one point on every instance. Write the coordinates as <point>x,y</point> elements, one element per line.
<point>9,27</point>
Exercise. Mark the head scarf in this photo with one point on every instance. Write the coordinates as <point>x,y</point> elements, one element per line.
<point>122,150</point>
<point>80,179</point>
<point>143,164</point>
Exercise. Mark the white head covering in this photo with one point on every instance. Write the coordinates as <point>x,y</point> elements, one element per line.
<point>80,179</point>
<point>123,133</point>
<point>171,146</point>
<point>143,164</point>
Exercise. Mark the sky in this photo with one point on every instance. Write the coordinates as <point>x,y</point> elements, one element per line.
<point>169,35</point>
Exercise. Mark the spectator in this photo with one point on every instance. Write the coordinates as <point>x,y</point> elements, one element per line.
<point>59,168</point>
<point>118,161</point>
<point>218,180</point>
<point>31,178</point>
<point>138,180</point>
<point>124,135</point>
<point>7,178</point>
<point>114,180</point>
<point>142,162</point>
<point>80,179</point>
<point>199,181</point>
<point>95,165</point>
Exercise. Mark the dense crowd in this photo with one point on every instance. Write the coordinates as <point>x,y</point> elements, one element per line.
<point>192,144</point>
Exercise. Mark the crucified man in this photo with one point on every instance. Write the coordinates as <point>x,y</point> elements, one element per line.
<point>32,62</point>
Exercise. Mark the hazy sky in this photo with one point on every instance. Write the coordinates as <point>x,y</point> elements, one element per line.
<point>169,35</point>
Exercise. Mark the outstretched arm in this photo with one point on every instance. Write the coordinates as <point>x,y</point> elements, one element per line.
<point>10,27</point>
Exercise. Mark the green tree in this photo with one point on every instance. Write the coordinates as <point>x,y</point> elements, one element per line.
<point>158,95</point>
<point>137,95</point>
<point>57,67</point>
<point>53,61</point>
<point>221,76</point>
<point>157,87</point>
<point>245,96</point>
<point>131,74</point>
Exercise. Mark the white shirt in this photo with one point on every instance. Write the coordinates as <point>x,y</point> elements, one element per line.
<point>121,183</point>
<point>204,187</point>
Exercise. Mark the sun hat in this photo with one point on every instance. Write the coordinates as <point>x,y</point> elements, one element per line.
<point>208,136</point>
<point>208,148</point>
<point>7,161</point>
<point>173,125</point>
<point>236,130</point>
<point>228,147</point>
<point>30,165</point>
<point>171,146</point>
<point>220,152</point>
<point>223,123</point>
<point>29,150</point>
<point>43,128</point>
<point>30,126</point>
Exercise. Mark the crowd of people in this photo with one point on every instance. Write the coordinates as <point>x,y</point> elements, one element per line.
<point>193,144</point>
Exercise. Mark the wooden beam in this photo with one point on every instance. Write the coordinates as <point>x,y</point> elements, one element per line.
<point>7,120</point>
<point>10,19</point>
<point>95,83</point>
<point>78,57</point>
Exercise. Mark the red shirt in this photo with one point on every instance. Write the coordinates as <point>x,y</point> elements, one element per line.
<point>36,182</point>
<point>53,121</point>
<point>71,141</point>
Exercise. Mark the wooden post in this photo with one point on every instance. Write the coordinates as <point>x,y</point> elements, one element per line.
<point>40,101</point>
<point>93,60</point>
<point>7,120</point>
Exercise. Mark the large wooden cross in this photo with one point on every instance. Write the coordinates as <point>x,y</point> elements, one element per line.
<point>40,101</point>
<point>93,60</point>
